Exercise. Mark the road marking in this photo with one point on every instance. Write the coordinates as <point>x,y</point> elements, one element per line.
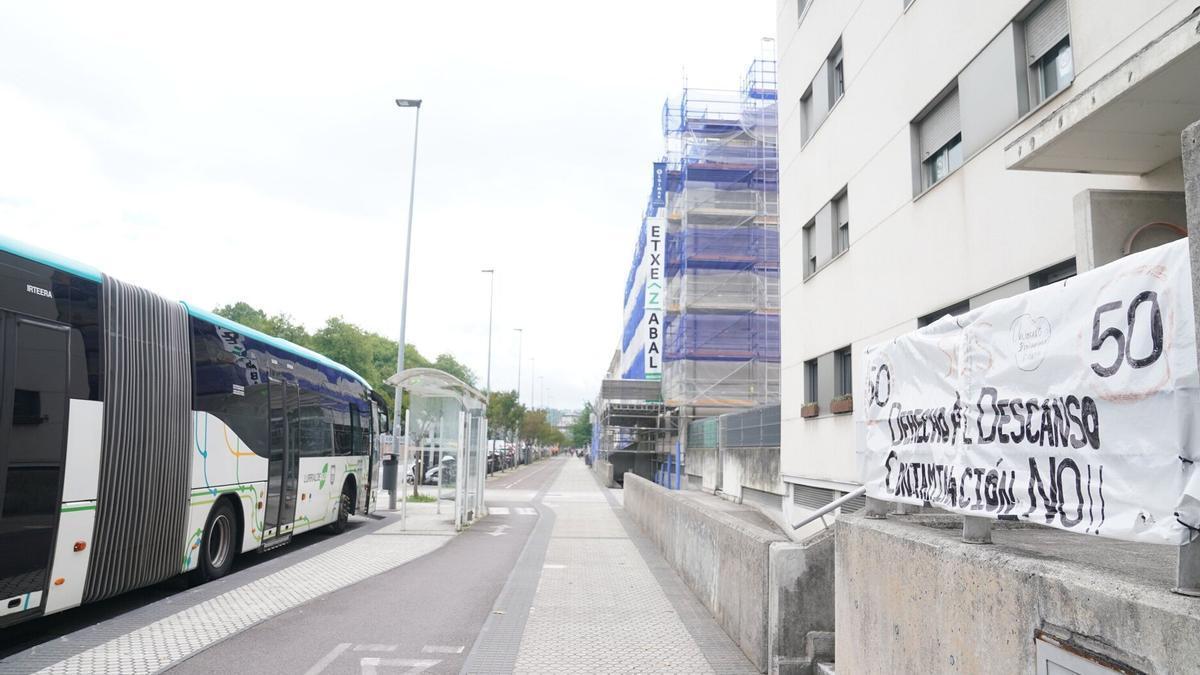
<point>498,531</point>
<point>370,665</point>
<point>550,566</point>
<point>374,648</point>
<point>441,649</point>
<point>498,510</point>
<point>526,511</point>
<point>329,658</point>
<point>522,478</point>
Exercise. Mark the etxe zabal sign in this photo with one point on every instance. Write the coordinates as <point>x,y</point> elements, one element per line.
<point>1073,406</point>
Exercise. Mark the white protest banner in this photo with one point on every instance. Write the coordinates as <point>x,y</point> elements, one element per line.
<point>1073,405</point>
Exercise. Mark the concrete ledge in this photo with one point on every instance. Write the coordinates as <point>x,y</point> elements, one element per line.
<point>604,470</point>
<point>764,591</point>
<point>927,602</point>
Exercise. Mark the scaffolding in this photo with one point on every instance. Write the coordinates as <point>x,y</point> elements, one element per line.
<point>721,262</point>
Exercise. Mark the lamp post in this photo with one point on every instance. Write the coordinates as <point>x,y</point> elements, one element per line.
<point>491,303</point>
<point>520,343</point>
<point>405,103</point>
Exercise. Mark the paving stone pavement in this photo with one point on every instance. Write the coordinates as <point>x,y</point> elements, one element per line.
<point>169,640</point>
<point>600,608</point>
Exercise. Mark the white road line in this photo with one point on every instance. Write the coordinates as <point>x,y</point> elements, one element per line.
<point>374,648</point>
<point>526,511</point>
<point>551,566</point>
<point>526,476</point>
<point>370,665</point>
<point>327,659</point>
<point>498,510</point>
<point>441,649</point>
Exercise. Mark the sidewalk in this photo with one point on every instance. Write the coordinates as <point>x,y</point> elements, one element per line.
<point>591,595</point>
<point>160,635</point>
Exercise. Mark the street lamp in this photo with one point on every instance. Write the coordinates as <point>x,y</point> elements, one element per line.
<point>405,103</point>
<point>520,343</point>
<point>491,299</point>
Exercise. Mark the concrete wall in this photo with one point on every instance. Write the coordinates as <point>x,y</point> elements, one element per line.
<point>702,462</point>
<point>730,469</point>
<point>765,592</point>
<point>604,469</point>
<point>800,612</point>
<point>1104,219</point>
<point>914,598</point>
<point>756,468</point>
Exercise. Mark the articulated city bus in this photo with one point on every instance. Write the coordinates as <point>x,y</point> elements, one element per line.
<point>142,438</point>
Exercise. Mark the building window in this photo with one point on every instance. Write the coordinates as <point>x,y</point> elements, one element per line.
<point>843,364</point>
<point>841,221</point>
<point>810,381</point>
<point>837,74</point>
<point>953,310</point>
<point>810,248</point>
<point>943,161</point>
<point>939,133</point>
<point>1052,275</point>
<point>806,115</point>
<point>1048,49</point>
<point>1054,71</point>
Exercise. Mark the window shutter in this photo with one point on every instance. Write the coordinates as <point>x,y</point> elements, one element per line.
<point>811,498</point>
<point>940,125</point>
<point>1046,27</point>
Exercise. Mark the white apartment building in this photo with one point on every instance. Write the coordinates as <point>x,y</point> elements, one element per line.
<point>939,154</point>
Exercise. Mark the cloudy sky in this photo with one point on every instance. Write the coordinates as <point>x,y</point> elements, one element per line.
<point>251,151</point>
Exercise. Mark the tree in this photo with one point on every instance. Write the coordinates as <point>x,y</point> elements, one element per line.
<point>505,414</point>
<point>535,428</point>
<point>279,325</point>
<point>581,430</point>
<point>449,364</point>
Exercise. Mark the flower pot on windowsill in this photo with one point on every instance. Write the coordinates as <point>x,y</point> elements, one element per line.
<point>810,410</point>
<point>841,404</point>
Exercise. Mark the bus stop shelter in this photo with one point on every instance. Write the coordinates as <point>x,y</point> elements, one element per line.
<point>446,421</point>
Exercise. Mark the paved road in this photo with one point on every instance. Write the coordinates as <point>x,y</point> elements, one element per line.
<point>423,615</point>
<point>174,593</point>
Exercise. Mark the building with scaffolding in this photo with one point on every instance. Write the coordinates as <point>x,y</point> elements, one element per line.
<point>701,321</point>
<point>721,331</point>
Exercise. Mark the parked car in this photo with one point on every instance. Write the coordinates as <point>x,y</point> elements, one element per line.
<point>450,463</point>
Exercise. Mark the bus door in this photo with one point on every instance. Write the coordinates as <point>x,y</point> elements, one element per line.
<point>33,426</point>
<point>283,465</point>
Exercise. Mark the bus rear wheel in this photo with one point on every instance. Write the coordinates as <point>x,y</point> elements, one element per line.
<point>345,505</point>
<point>219,547</point>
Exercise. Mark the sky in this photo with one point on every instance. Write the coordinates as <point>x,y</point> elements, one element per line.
<point>252,152</point>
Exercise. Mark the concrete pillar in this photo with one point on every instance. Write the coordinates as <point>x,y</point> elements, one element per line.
<point>977,530</point>
<point>1187,571</point>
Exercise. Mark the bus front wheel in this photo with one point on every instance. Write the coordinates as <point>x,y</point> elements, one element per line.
<point>219,547</point>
